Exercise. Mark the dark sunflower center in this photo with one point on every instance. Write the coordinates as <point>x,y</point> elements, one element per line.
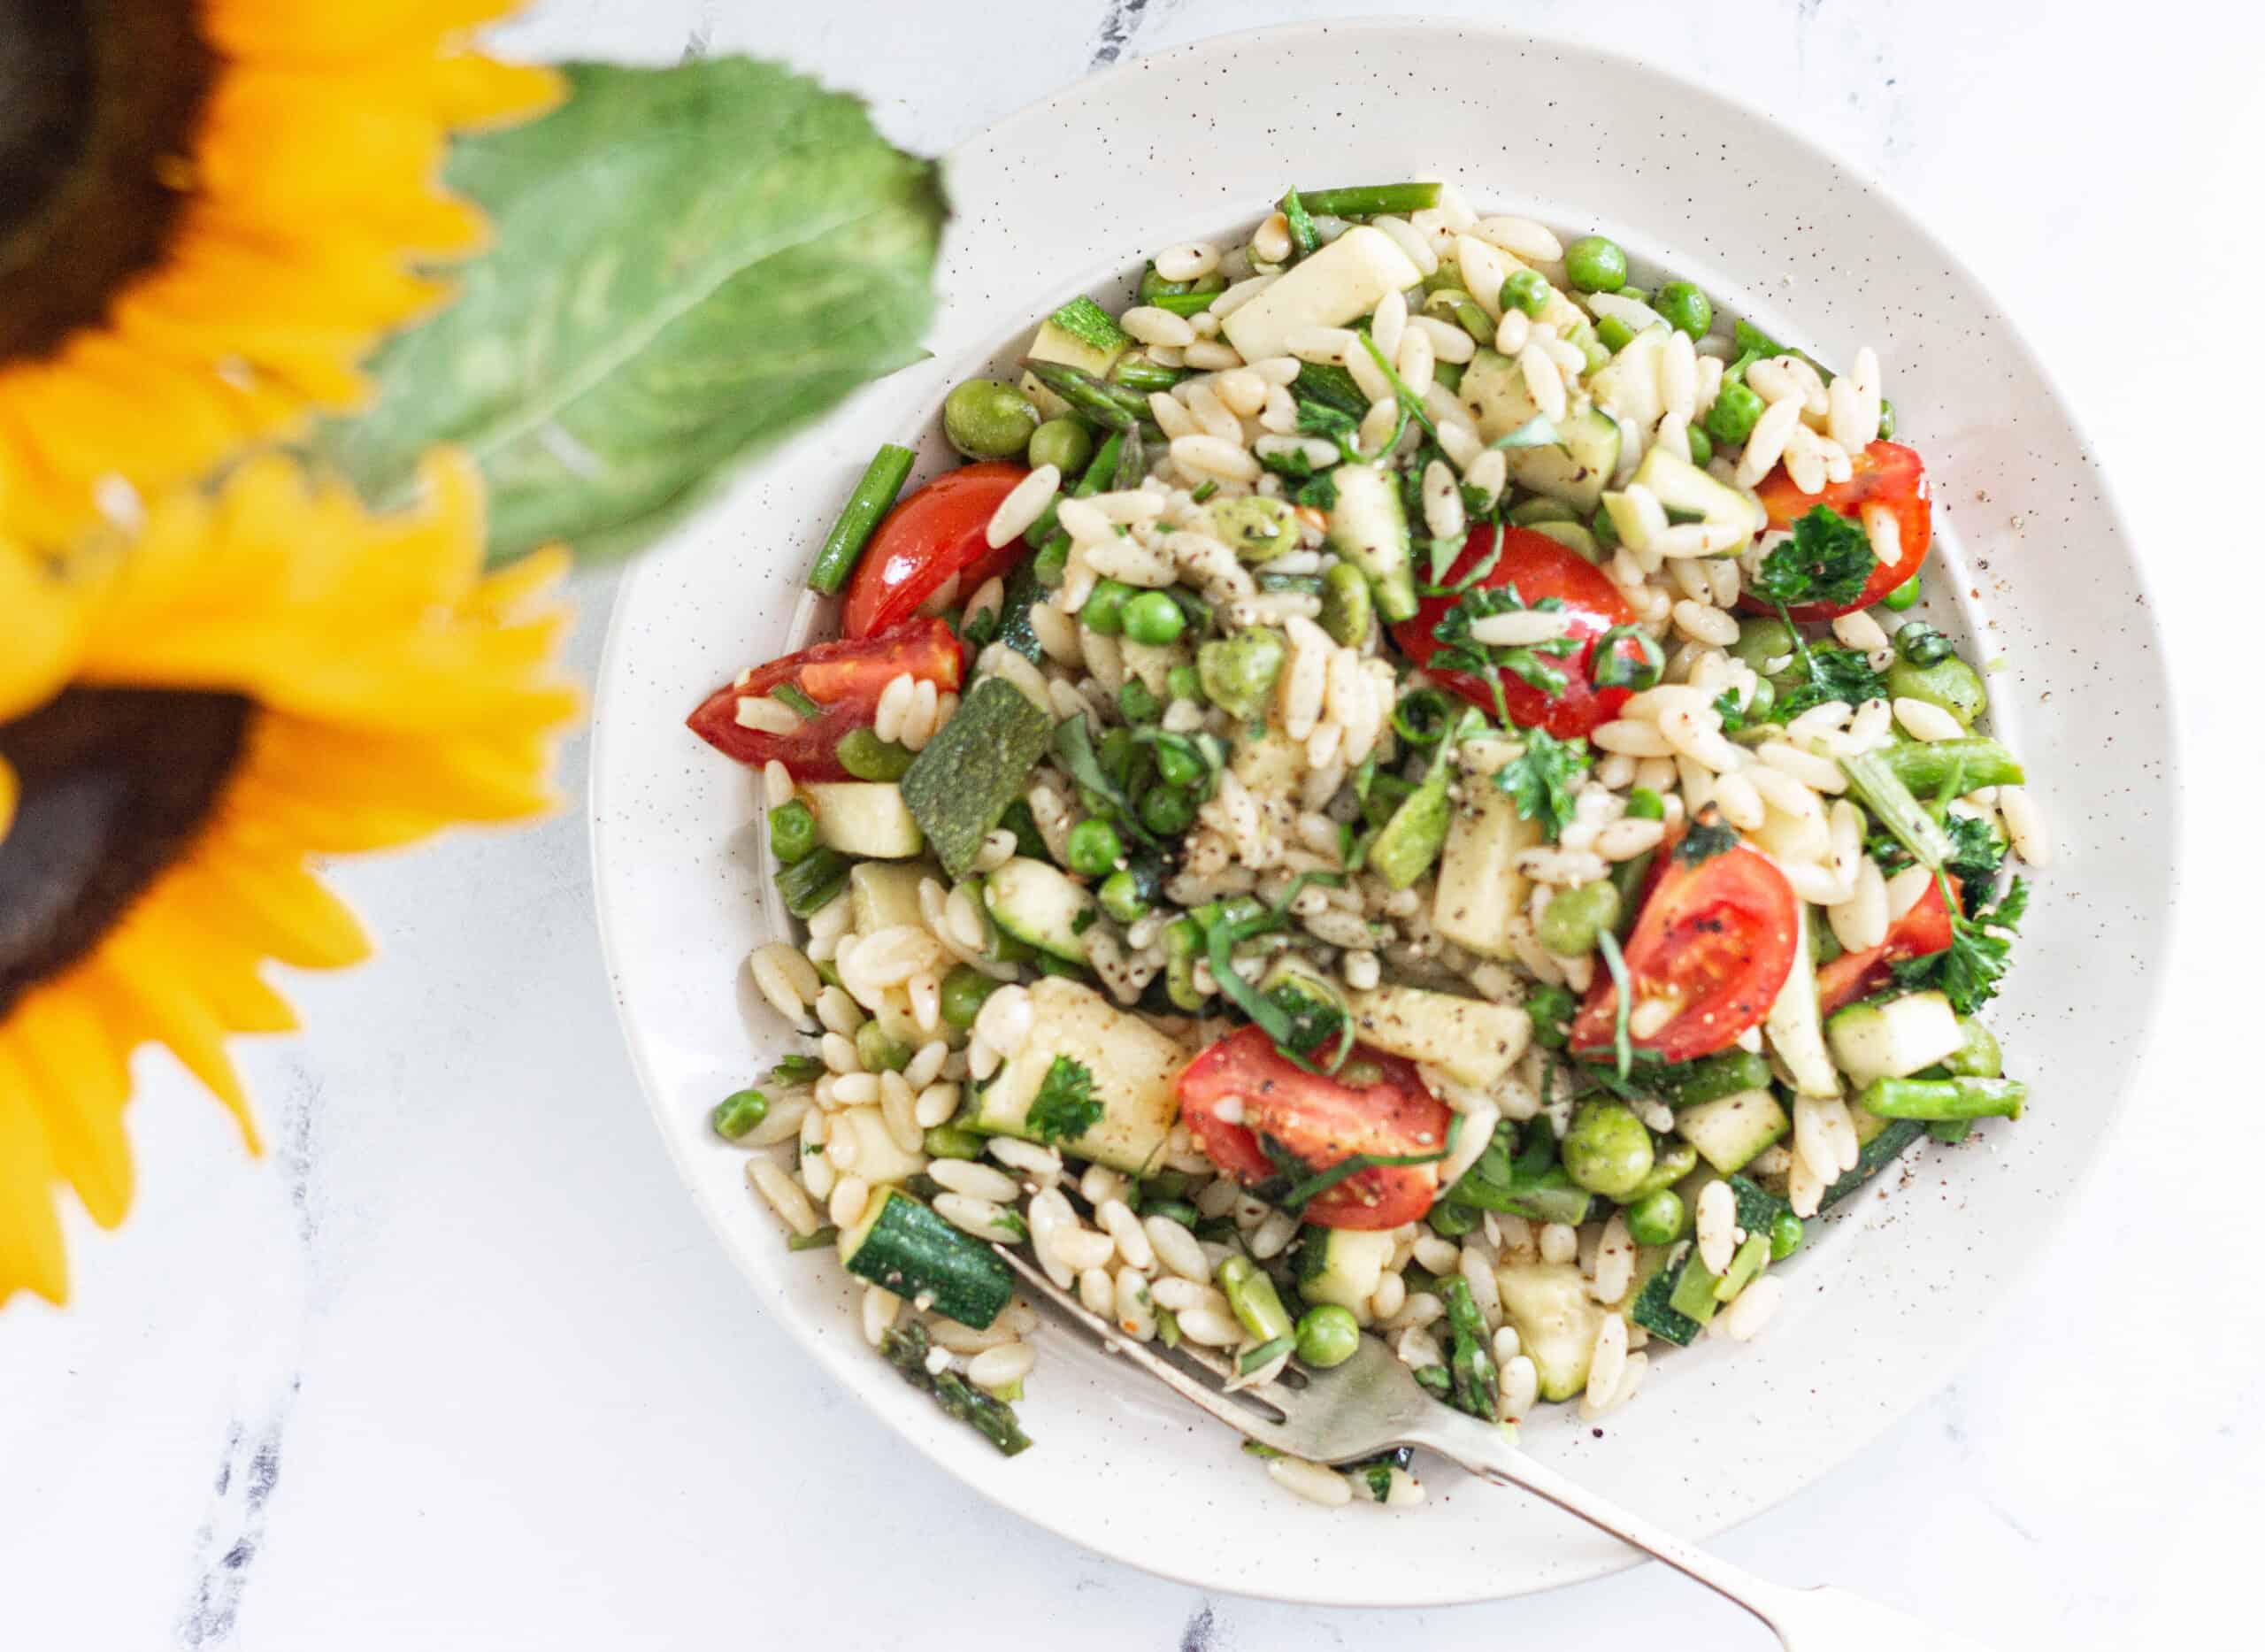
<point>115,782</point>
<point>98,102</point>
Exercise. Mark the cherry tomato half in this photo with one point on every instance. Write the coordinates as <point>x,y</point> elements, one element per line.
<point>1539,567</point>
<point>845,679</point>
<point>1922,930</point>
<point>1319,1121</point>
<point>1716,937</point>
<point>936,532</point>
<point>1886,474</point>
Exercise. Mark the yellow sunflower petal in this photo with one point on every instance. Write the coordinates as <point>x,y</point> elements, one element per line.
<point>81,1078</point>
<point>31,1240</point>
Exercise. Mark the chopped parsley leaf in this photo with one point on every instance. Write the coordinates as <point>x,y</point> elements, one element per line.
<point>1320,494</point>
<point>1834,674</point>
<point>1828,559</point>
<point>1065,1108</point>
<point>1968,969</point>
<point>1541,780</point>
<point>1460,651</point>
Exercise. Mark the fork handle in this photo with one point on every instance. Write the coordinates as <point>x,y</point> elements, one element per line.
<point>1803,1620</point>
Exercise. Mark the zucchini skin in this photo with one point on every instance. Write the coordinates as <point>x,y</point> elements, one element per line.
<point>906,1248</point>
<point>1877,1155</point>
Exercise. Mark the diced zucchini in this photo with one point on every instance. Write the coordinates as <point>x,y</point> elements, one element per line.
<point>1693,1295</point>
<point>977,765</point>
<point>1342,1266</point>
<point>1079,334</point>
<point>1881,1148</point>
<point>1573,537</point>
<point>1895,1039</point>
<point>1471,1041</point>
<point>885,894</point>
<point>1553,1196</point>
<point>1690,495</point>
<point>903,1246</point>
<point>1628,386</point>
<point>1479,889</point>
<point>1134,1070</point>
<point>1573,469</point>
<point>1368,527</point>
<point>1793,1028</point>
<point>1758,1208</point>
<point>1412,839</point>
<point>865,817</point>
<point>1270,765</point>
<point>1557,1321</point>
<point>1730,1131</point>
<point>1748,1263</point>
<point>879,1159</point>
<point>1339,283</point>
<point>1038,904</point>
<point>1652,1309</point>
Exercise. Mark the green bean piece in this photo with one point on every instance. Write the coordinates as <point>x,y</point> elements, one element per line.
<point>1184,304</point>
<point>1595,264</point>
<point>1574,917</point>
<point>1657,1218</point>
<point>1154,288</point>
<point>1703,446</point>
<point>966,988</point>
<point>1525,290</point>
<point>1063,444</point>
<point>1736,412</point>
<point>1238,672</point>
<point>1785,1235</point>
<point>1452,1221</point>
<point>1550,1008</point>
<point>1253,1298</point>
<point>1121,898</point>
<point>1925,768</point>
<point>1751,339</point>
<point>1978,1055</point>
<point>1173,1210</point>
<point>1347,607</point>
<point>869,502</point>
<point>1367,200</point>
<point>812,882</point>
<point>1686,308</point>
<point>986,419</point>
<point>739,1113</point>
<point>1950,683</point>
<point>1167,811</point>
<point>951,1142</point>
<point>1328,1335</point>
<point>869,757</point>
<point>1303,236</point>
<point>794,831</point>
<point>1905,595</point>
<point>1093,847</point>
<point>1138,372</point>
<point>1607,1150</point>
<point>1944,1098</point>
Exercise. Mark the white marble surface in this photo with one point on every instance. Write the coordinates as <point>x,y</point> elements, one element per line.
<point>459,1366</point>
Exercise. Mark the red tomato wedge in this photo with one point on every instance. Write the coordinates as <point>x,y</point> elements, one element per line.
<point>1320,1122</point>
<point>1922,930</point>
<point>1885,474</point>
<point>1539,567</point>
<point>1718,938</point>
<point>845,679</point>
<point>936,533</point>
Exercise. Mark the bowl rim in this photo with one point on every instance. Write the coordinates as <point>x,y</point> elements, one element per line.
<point>1958,1349</point>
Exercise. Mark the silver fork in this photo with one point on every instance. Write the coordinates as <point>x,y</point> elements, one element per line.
<point>1373,1403</point>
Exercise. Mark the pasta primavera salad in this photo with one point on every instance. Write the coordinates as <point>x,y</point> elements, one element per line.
<point>1395,795</point>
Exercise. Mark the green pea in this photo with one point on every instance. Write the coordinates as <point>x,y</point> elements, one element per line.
<point>1686,308</point>
<point>951,1142</point>
<point>1345,605</point>
<point>1657,1218</point>
<point>1526,290</point>
<point>1103,613</point>
<point>1136,702</point>
<point>1093,847</point>
<point>986,419</point>
<point>1644,803</point>
<point>794,831</point>
<point>1702,448</point>
<point>1121,898</point>
<point>1063,444</point>
<point>1608,1150</point>
<point>1950,683</point>
<point>1596,264</point>
<point>1614,334</point>
<point>1758,702</point>
<point>1167,810</point>
<point>1886,419</point>
<point>1762,643</point>
<point>1734,414</point>
<point>1550,1008</point>
<point>1153,617</point>
<point>1328,1335</point>
<point>1785,1236</point>
<point>739,1113</point>
<point>869,757</point>
<point>1903,597</point>
<point>1575,917</point>
<point>878,1051</point>
<point>1259,528</point>
<point>1239,671</point>
<point>1176,766</point>
<point>965,990</point>
<point>1978,1055</point>
<point>1184,682</point>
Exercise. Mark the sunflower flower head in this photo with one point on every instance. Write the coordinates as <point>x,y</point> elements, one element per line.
<point>265,674</point>
<point>209,209</point>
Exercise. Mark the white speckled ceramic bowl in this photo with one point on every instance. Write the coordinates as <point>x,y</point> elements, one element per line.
<point>1068,196</point>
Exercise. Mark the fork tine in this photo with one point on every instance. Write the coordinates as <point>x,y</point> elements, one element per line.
<point>1225,1408</point>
